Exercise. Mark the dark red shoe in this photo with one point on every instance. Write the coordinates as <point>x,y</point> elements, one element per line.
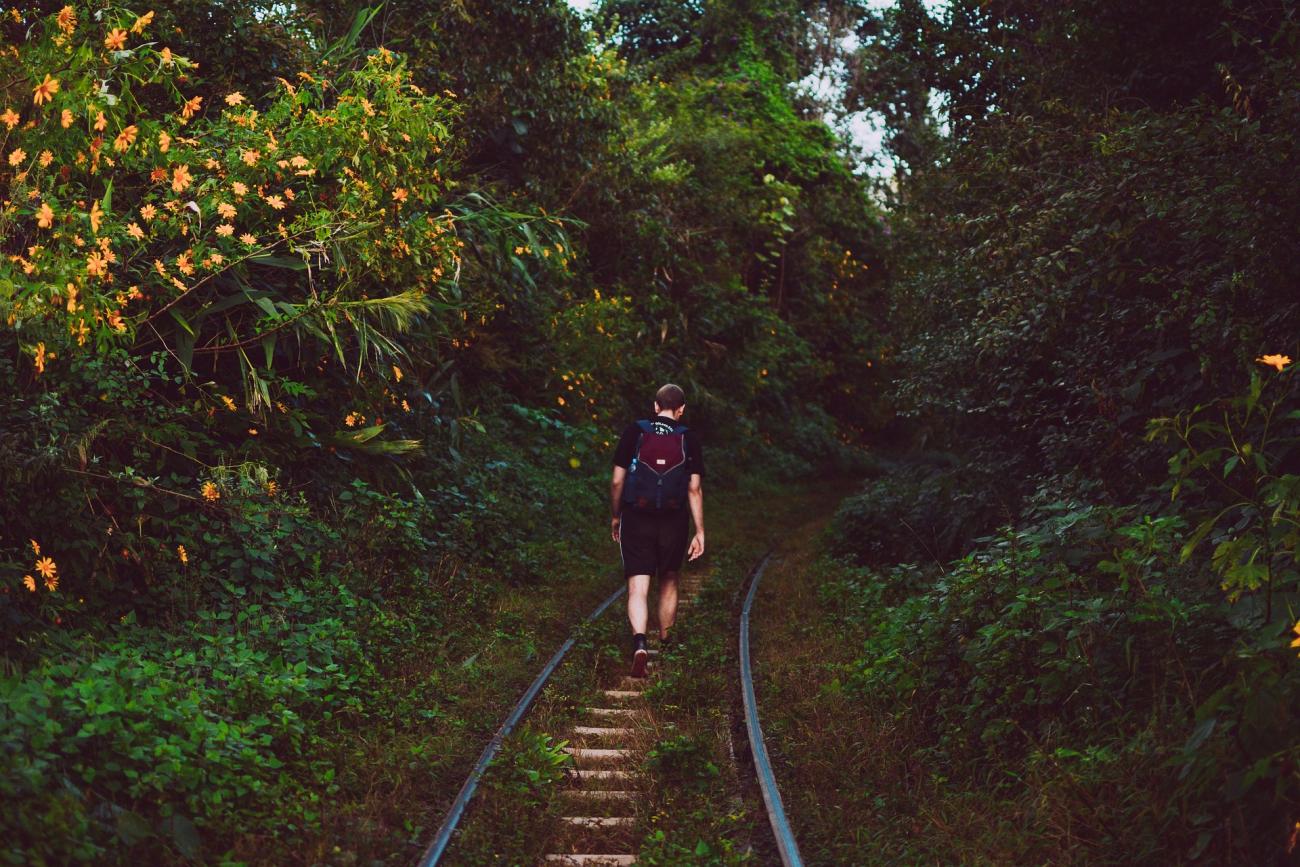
<point>640,658</point>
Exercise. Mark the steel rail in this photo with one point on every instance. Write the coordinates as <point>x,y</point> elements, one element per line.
<point>785,842</point>
<point>434,853</point>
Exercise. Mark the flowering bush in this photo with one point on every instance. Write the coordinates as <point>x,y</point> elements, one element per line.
<point>214,232</point>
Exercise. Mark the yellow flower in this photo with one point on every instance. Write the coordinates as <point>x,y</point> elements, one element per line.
<point>230,404</point>
<point>115,40</point>
<point>191,107</point>
<point>272,488</point>
<point>10,118</point>
<point>47,568</point>
<point>406,407</point>
<point>101,122</point>
<point>65,118</point>
<point>135,231</point>
<point>180,178</point>
<point>252,431</point>
<point>180,549</point>
<point>126,138</point>
<point>46,158</point>
<point>226,210</point>
<point>67,20</point>
<point>351,419</point>
<point>36,547</point>
<point>40,356</point>
<point>1277,361</point>
<point>45,91</point>
<point>16,156</point>
<point>52,583</point>
<point>142,22</point>
<point>399,194</point>
<point>225,230</point>
<point>166,55</point>
<point>239,187</point>
<point>275,202</point>
<point>210,492</point>
<point>96,264</point>
<point>96,216</point>
<point>29,582</point>
<point>164,141</point>
<point>148,212</point>
<point>250,157</point>
<point>397,373</point>
<point>248,239</point>
<point>235,98</point>
<point>45,216</point>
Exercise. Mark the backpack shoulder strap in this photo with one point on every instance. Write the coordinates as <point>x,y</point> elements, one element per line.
<point>645,425</point>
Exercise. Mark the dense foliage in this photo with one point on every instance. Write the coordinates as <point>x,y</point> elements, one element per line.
<point>1093,316</point>
<point>319,320</point>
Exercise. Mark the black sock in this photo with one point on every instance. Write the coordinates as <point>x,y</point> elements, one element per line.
<point>638,641</point>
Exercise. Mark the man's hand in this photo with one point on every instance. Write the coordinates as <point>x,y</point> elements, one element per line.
<point>696,550</point>
<point>614,524</point>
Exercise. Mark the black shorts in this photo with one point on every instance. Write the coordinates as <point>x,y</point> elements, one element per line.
<point>652,543</point>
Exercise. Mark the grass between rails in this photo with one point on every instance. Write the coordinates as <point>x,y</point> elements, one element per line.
<point>694,808</point>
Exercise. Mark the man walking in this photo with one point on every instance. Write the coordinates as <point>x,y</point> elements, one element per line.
<point>654,493</point>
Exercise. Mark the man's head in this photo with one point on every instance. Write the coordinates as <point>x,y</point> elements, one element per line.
<point>670,399</point>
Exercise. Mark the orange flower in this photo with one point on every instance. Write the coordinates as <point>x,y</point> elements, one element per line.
<point>180,178</point>
<point>230,404</point>
<point>142,22</point>
<point>275,202</point>
<point>96,264</point>
<point>164,141</point>
<point>1296,629</point>
<point>115,40</point>
<point>65,118</point>
<point>40,356</point>
<point>148,212</point>
<point>272,488</point>
<point>1277,361</point>
<point>16,156</point>
<point>126,138</point>
<point>248,239</point>
<point>67,20</point>
<point>210,492</point>
<point>10,118</point>
<point>46,158</point>
<point>235,98</point>
<point>166,54</point>
<point>191,107</point>
<point>397,373</point>
<point>135,231</point>
<point>399,195</point>
<point>240,188</point>
<point>45,216</point>
<point>45,91</point>
<point>180,549</point>
<point>226,210</point>
<point>96,216</point>
<point>250,157</point>
<point>29,582</point>
<point>101,122</point>
<point>36,547</point>
<point>47,567</point>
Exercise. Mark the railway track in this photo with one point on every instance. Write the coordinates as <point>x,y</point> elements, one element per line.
<point>608,746</point>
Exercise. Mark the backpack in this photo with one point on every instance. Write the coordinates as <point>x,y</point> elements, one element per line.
<point>657,479</point>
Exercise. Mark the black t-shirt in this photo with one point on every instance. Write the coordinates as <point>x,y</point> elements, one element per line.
<point>626,449</point>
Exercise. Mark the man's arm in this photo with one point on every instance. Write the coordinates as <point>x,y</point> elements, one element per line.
<point>616,499</point>
<point>695,493</point>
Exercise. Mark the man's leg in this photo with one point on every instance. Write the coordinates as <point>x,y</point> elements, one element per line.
<point>638,611</point>
<point>667,603</point>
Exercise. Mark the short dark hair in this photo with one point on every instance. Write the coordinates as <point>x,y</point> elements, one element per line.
<point>670,396</point>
